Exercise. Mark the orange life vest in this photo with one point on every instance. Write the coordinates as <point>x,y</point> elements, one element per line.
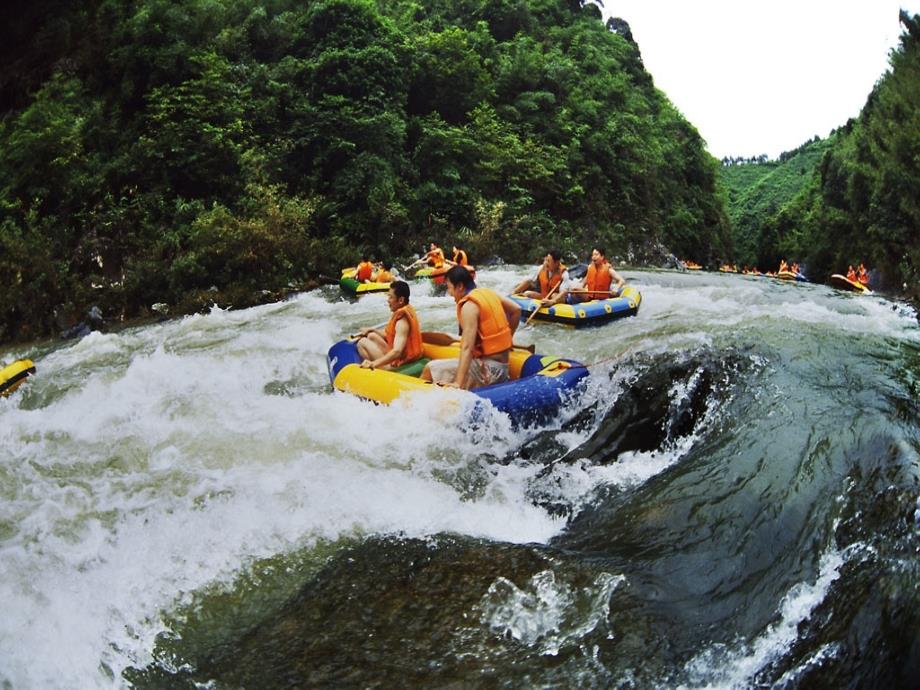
<point>493,334</point>
<point>851,274</point>
<point>365,270</point>
<point>598,280</point>
<point>548,284</point>
<point>436,257</point>
<point>863,277</point>
<point>413,342</point>
<point>383,276</point>
<point>460,257</point>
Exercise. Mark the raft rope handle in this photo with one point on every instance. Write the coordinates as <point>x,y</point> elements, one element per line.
<point>578,365</point>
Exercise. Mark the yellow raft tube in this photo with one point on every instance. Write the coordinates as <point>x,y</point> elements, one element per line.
<point>12,376</point>
<point>538,384</point>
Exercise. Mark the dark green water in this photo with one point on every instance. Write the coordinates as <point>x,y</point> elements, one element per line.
<point>733,502</point>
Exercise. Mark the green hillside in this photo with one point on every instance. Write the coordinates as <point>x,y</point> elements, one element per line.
<point>758,191</point>
<point>184,151</point>
<point>861,204</point>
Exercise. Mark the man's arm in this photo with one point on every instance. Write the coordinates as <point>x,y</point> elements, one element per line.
<point>617,278</point>
<point>524,286</point>
<point>469,323</point>
<point>512,313</point>
<point>400,338</point>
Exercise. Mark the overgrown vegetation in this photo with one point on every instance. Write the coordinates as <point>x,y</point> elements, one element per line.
<point>151,150</point>
<point>862,203</point>
<point>758,190</point>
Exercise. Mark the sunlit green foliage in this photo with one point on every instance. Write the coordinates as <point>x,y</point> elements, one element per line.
<point>151,150</point>
<point>758,191</point>
<point>863,202</point>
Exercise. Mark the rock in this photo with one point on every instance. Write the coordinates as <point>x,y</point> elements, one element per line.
<point>78,331</point>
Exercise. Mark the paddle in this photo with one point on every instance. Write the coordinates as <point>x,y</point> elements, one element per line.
<point>597,292</point>
<point>414,264</point>
<point>356,336</point>
<point>436,338</point>
<point>534,312</point>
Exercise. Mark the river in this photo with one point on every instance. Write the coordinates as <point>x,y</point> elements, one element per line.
<point>731,502</point>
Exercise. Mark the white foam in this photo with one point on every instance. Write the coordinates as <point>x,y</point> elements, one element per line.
<point>723,666</point>
<point>548,614</point>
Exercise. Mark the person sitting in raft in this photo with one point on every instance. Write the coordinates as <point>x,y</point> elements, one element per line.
<point>552,276</point>
<point>851,273</point>
<point>382,274</point>
<point>435,256</point>
<point>597,283</point>
<point>459,258</point>
<point>783,266</point>
<point>365,270</point>
<point>487,323</point>
<point>400,342</point>
<point>862,275</point>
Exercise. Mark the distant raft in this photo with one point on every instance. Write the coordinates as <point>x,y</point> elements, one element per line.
<point>352,286</point>
<point>539,383</point>
<point>437,275</point>
<point>12,376</point>
<point>789,275</point>
<point>593,313</point>
<point>843,283</point>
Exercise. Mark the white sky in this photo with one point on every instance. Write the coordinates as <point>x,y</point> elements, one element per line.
<point>766,76</point>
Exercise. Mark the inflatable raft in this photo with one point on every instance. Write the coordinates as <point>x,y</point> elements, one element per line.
<point>537,387</point>
<point>789,275</point>
<point>437,275</point>
<point>844,283</point>
<point>12,376</point>
<point>350,284</point>
<point>593,313</point>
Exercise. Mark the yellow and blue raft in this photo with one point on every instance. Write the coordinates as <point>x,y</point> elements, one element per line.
<point>538,385</point>
<point>12,375</point>
<point>592,313</point>
<point>789,275</point>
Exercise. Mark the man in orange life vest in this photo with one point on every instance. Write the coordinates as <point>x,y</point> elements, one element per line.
<point>365,270</point>
<point>459,258</point>
<point>400,342</point>
<point>552,276</point>
<point>435,256</point>
<point>487,324</point>
<point>382,274</point>
<point>601,281</point>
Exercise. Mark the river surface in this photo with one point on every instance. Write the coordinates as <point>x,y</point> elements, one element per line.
<point>731,502</point>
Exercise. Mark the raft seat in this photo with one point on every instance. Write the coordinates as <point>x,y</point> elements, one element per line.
<point>413,368</point>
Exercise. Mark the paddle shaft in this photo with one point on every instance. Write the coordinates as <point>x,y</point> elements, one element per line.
<point>548,295</point>
<point>356,336</point>
<point>596,292</point>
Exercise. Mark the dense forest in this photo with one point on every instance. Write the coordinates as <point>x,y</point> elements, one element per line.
<point>862,202</point>
<point>758,189</point>
<point>197,151</point>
